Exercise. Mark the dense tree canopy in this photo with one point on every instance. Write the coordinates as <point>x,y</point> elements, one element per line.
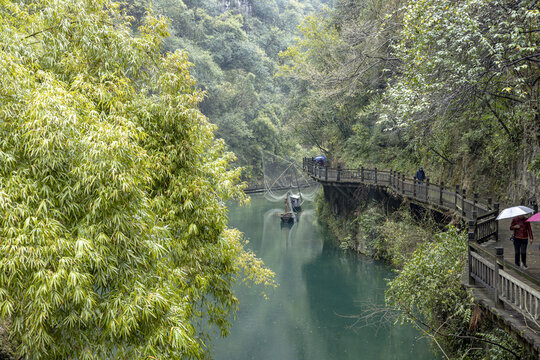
<point>113,228</point>
<point>450,84</point>
<point>469,81</point>
<point>234,51</point>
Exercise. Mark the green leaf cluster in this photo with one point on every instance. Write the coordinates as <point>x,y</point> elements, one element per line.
<point>112,188</point>
<point>430,282</point>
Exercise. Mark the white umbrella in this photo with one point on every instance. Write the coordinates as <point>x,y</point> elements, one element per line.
<point>514,211</point>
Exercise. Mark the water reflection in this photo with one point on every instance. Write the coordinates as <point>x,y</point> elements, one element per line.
<point>307,316</point>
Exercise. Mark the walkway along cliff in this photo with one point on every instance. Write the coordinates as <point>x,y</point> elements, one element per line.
<point>510,295</point>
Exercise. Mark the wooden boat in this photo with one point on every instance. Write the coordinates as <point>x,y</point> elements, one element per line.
<point>288,217</point>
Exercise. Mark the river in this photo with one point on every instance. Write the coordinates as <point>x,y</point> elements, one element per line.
<point>311,314</point>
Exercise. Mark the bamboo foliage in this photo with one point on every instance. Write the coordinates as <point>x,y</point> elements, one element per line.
<point>113,229</point>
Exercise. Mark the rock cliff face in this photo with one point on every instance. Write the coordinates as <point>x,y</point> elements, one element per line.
<point>525,189</point>
<point>242,5</point>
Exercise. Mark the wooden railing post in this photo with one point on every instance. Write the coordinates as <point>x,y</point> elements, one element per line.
<point>472,229</point>
<point>375,176</point>
<point>427,189</point>
<point>499,253</point>
<point>403,184</point>
<point>414,187</point>
<point>475,197</point>
<point>339,172</point>
<point>476,229</point>
<point>362,173</point>
<point>469,256</point>
<point>456,193</point>
<point>325,173</point>
<point>463,203</point>
<point>496,208</point>
<point>441,193</point>
<point>489,204</point>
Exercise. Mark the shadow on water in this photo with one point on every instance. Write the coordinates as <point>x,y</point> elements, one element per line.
<point>309,315</point>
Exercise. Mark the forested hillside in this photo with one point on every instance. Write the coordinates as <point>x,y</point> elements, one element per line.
<point>453,86</point>
<point>234,47</point>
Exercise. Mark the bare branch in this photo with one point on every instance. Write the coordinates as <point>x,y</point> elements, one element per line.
<point>500,121</point>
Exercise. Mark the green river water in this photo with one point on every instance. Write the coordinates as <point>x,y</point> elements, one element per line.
<point>311,314</point>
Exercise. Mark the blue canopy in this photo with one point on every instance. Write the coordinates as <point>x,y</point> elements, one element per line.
<point>321,158</point>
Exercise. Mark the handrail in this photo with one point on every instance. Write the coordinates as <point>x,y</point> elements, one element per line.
<point>506,264</point>
<point>490,272</point>
<point>439,195</point>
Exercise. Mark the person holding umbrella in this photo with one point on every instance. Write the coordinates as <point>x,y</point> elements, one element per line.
<point>522,234</point>
<point>320,160</point>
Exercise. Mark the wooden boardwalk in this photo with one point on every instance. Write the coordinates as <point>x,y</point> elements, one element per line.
<point>510,294</point>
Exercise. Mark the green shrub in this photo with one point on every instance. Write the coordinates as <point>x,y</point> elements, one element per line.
<point>400,238</point>
<point>430,282</point>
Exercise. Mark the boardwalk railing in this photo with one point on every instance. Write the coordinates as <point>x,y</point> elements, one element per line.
<point>436,195</point>
<point>485,269</point>
<point>488,271</point>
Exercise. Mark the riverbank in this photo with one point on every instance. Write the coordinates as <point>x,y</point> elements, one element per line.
<point>430,260</point>
<point>370,230</point>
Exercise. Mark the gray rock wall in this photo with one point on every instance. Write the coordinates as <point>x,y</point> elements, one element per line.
<point>525,190</point>
<point>242,5</point>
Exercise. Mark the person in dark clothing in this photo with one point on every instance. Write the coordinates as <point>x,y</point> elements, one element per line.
<point>320,160</point>
<point>420,175</point>
<point>522,233</point>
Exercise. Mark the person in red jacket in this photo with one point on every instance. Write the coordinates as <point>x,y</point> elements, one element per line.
<point>522,233</point>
